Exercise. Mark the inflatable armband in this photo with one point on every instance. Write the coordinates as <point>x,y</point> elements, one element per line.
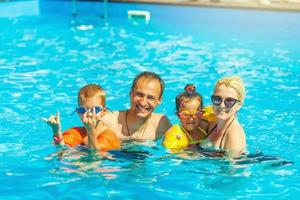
<point>74,136</point>
<point>175,138</point>
<point>107,139</point>
<point>209,114</point>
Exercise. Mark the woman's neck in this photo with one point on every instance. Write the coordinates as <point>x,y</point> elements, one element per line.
<point>222,124</point>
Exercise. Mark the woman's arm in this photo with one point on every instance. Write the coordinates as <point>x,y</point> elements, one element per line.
<point>235,143</point>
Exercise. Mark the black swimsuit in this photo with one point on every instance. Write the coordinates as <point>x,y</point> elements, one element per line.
<point>211,130</point>
<point>223,134</point>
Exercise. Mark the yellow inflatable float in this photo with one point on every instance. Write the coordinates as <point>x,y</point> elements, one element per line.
<point>177,138</point>
<point>208,114</point>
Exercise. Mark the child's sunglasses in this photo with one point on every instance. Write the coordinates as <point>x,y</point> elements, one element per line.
<point>228,102</point>
<point>186,114</point>
<point>81,110</point>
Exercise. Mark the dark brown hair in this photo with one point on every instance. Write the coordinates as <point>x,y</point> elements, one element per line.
<point>188,94</point>
<point>150,76</point>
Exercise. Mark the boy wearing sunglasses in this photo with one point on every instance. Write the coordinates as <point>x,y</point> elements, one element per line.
<point>227,134</point>
<point>94,133</point>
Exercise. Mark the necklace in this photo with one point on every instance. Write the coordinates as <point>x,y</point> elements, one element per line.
<point>138,130</point>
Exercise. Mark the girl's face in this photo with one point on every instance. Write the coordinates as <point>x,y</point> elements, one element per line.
<point>92,107</point>
<point>190,114</point>
<point>225,102</point>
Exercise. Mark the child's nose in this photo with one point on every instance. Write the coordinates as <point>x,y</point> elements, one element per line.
<point>89,113</point>
<point>191,117</point>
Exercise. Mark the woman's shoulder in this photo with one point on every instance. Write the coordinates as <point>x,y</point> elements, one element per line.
<point>236,138</point>
<point>236,130</point>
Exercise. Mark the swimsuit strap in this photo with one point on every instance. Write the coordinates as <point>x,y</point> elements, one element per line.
<point>212,130</point>
<point>185,131</point>
<point>225,133</point>
<point>190,137</point>
<point>203,131</point>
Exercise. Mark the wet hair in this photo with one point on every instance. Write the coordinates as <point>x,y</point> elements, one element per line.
<point>234,82</point>
<point>149,76</point>
<point>90,91</point>
<point>188,94</point>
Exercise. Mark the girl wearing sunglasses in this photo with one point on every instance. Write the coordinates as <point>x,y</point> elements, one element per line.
<point>193,128</point>
<point>227,134</point>
<point>94,133</point>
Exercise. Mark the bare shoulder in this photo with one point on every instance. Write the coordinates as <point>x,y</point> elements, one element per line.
<point>236,138</point>
<point>110,114</point>
<point>112,121</point>
<point>111,117</point>
<point>160,119</point>
<point>161,122</point>
<point>236,131</point>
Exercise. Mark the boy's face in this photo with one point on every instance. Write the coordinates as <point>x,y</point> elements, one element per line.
<point>89,107</point>
<point>145,97</point>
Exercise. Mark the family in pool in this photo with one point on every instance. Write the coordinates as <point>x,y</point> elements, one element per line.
<point>210,128</point>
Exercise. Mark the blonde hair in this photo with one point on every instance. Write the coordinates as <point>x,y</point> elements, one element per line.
<point>234,82</point>
<point>90,91</point>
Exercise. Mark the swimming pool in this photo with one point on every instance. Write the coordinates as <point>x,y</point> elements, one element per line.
<point>46,56</point>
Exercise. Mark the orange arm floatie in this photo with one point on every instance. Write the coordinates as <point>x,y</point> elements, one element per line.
<point>108,140</point>
<point>74,136</point>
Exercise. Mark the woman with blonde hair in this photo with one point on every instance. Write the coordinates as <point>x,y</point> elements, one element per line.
<point>227,134</point>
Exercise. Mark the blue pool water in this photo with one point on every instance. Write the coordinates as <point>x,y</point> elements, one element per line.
<point>47,55</point>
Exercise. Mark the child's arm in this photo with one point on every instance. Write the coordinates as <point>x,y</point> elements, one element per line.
<point>94,126</point>
<point>99,136</point>
<point>54,122</point>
